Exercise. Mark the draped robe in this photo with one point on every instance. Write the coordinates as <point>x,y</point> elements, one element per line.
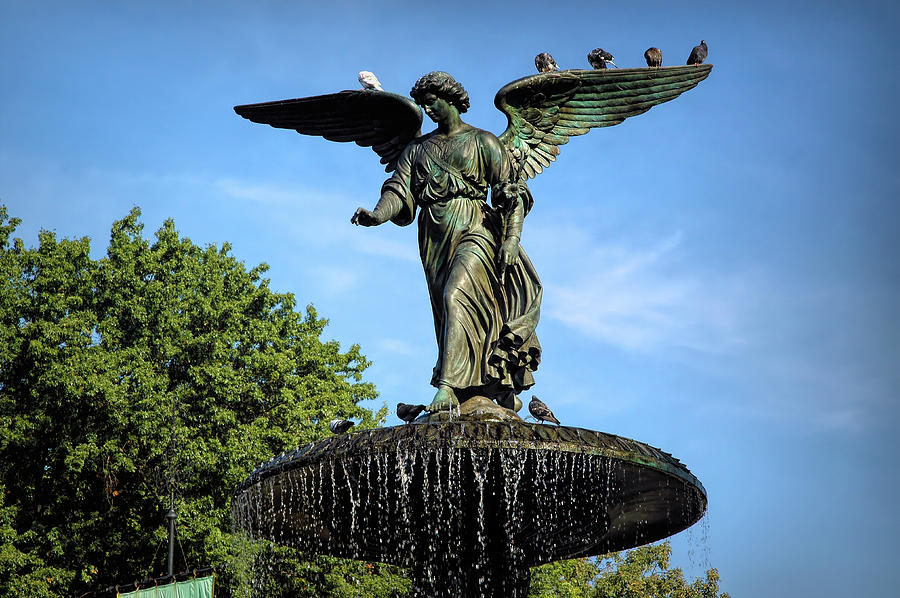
<point>485,331</point>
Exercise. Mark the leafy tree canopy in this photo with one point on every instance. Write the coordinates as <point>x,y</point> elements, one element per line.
<point>94,357</point>
<point>639,573</point>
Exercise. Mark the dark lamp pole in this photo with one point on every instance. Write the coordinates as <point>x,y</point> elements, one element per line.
<point>170,516</point>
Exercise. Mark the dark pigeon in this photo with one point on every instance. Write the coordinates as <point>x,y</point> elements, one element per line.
<point>409,412</point>
<point>598,57</point>
<point>339,426</point>
<point>653,57</point>
<point>540,411</point>
<point>545,63</point>
<point>698,54</point>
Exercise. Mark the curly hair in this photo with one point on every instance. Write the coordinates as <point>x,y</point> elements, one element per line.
<point>442,85</point>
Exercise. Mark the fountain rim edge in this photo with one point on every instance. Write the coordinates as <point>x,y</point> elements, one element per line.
<point>341,446</point>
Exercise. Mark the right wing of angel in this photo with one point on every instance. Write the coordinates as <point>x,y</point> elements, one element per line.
<point>384,121</point>
<point>544,111</point>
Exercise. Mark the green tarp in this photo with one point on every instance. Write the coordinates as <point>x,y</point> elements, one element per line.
<point>190,588</point>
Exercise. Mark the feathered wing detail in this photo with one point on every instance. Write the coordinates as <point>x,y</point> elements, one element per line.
<point>545,110</point>
<point>384,121</point>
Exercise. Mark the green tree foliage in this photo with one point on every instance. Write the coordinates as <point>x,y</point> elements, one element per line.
<point>639,573</point>
<point>93,356</point>
<point>320,576</point>
<point>574,578</point>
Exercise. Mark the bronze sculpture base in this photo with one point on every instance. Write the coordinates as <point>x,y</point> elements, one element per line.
<point>474,409</point>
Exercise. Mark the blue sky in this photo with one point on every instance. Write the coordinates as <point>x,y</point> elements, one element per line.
<point>720,274</point>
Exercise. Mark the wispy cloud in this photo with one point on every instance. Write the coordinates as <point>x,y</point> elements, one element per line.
<point>264,194</point>
<point>318,217</point>
<point>331,280</point>
<point>783,352</point>
<point>640,297</point>
<point>399,346</point>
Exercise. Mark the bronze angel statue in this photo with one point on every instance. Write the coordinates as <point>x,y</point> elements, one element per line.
<point>467,190</point>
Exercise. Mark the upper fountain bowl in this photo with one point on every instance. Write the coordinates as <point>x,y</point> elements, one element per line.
<point>470,490</point>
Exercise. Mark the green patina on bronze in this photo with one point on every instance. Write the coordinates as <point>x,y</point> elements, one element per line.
<point>467,190</point>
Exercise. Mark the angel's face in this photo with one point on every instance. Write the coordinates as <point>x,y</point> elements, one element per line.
<point>437,109</point>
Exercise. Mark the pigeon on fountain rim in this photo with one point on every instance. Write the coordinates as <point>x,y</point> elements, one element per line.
<point>339,426</point>
<point>540,411</point>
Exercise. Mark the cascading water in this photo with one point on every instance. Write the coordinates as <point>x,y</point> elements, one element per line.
<point>469,505</point>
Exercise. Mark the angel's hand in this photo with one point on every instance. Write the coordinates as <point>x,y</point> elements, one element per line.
<point>364,217</point>
<point>511,190</point>
<point>509,252</point>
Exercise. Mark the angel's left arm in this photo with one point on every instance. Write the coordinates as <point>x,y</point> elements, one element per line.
<point>510,197</point>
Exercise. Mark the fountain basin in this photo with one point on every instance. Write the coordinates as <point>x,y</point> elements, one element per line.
<point>498,497</point>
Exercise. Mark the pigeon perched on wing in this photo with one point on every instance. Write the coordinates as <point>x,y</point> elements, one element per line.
<point>339,426</point>
<point>698,54</point>
<point>540,411</point>
<point>653,57</point>
<point>408,412</point>
<point>598,57</point>
<point>369,81</point>
<point>545,63</point>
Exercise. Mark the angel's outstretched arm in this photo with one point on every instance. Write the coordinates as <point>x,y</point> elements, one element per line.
<point>388,206</point>
<point>396,202</point>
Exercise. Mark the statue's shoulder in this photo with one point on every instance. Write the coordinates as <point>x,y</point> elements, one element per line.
<point>412,148</point>
<point>485,135</point>
<point>487,141</point>
<point>482,137</point>
<point>421,140</point>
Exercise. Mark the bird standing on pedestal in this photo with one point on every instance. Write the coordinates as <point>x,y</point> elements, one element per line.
<point>540,411</point>
<point>545,63</point>
<point>408,412</point>
<point>698,54</point>
<point>653,57</point>
<point>598,57</point>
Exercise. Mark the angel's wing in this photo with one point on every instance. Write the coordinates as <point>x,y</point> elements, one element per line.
<point>384,121</point>
<point>545,110</point>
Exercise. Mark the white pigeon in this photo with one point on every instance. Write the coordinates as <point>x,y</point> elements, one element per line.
<point>369,81</point>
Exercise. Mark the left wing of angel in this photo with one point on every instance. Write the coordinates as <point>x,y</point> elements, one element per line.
<point>384,121</point>
<point>544,111</point>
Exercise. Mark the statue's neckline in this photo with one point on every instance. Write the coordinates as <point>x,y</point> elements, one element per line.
<point>439,138</point>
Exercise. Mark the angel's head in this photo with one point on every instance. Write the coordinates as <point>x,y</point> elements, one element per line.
<point>442,85</point>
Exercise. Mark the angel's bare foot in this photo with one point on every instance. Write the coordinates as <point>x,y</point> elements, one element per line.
<point>444,400</point>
